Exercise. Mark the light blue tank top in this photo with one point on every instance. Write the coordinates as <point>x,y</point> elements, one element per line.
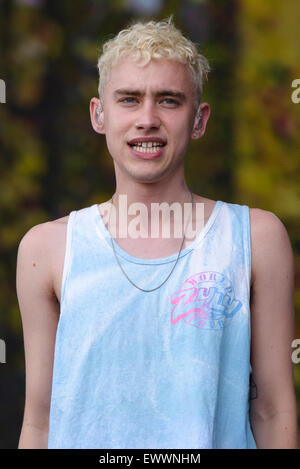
<point>166,369</point>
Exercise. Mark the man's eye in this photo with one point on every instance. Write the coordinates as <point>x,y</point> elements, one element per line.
<point>133,100</point>
<point>128,100</point>
<point>171,101</point>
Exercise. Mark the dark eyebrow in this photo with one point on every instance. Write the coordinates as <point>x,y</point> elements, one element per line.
<point>173,93</point>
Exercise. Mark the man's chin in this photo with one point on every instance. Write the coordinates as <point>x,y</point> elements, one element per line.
<point>147,178</point>
<point>141,173</point>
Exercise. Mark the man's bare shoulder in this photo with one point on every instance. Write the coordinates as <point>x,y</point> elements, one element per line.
<point>270,241</point>
<point>46,233</point>
<point>43,246</point>
<point>265,223</point>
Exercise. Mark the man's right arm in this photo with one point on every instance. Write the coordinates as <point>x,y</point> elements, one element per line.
<point>40,313</point>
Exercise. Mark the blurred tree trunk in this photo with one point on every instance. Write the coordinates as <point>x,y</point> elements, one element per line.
<point>224,18</point>
<point>210,162</point>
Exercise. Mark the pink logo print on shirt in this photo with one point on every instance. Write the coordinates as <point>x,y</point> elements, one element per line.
<point>205,300</point>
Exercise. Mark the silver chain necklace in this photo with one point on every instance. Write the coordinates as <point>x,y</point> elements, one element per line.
<point>115,254</point>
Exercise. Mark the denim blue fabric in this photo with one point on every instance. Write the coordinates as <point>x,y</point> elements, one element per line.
<point>166,369</point>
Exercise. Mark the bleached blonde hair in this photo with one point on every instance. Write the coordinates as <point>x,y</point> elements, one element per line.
<point>153,40</point>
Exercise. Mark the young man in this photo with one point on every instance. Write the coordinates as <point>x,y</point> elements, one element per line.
<point>153,337</point>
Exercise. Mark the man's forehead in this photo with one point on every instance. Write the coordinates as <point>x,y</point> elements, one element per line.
<point>158,76</point>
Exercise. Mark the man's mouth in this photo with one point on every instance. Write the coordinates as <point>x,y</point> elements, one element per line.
<point>147,147</point>
<point>151,145</point>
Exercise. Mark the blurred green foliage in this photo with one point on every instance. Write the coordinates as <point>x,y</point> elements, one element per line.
<point>52,162</point>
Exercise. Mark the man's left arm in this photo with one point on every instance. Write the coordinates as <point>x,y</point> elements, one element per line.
<point>273,412</point>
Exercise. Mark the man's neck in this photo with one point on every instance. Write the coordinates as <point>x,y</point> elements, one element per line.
<point>153,193</point>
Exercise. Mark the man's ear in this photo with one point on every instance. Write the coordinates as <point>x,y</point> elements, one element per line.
<point>200,121</point>
<point>97,116</point>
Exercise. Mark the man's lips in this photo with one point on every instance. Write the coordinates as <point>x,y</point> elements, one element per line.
<point>138,140</point>
<point>145,152</point>
<point>147,147</point>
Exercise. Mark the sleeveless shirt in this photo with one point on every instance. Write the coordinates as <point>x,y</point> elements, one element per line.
<point>165,369</point>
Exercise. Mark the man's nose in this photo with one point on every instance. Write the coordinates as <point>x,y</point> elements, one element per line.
<point>148,118</point>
